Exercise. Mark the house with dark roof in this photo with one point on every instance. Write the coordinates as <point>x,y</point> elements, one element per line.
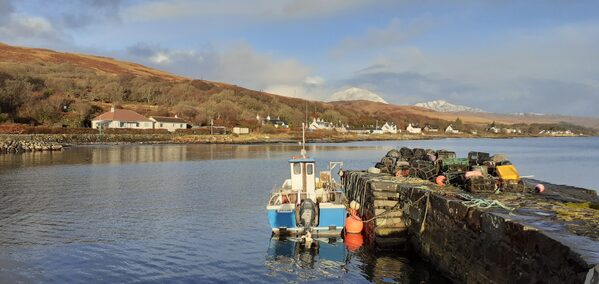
<point>274,122</point>
<point>121,118</point>
<point>169,123</point>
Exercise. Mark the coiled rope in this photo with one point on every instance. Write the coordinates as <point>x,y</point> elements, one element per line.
<point>483,203</point>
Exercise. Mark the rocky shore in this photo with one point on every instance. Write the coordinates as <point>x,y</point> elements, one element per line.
<point>20,146</point>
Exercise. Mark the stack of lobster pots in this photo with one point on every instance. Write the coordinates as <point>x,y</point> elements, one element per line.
<point>479,172</point>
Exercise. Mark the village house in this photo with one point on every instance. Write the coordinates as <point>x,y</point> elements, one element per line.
<point>494,129</point>
<point>429,128</point>
<point>451,130</point>
<point>121,118</point>
<point>319,124</point>
<point>413,130</point>
<point>512,131</point>
<point>389,127</point>
<point>274,122</point>
<point>557,132</point>
<point>169,123</point>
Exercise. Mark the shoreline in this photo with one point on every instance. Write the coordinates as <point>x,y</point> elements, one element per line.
<point>67,140</point>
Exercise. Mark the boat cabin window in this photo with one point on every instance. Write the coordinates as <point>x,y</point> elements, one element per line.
<point>297,168</point>
<point>309,169</point>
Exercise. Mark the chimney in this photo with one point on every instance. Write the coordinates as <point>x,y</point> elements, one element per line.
<point>112,108</point>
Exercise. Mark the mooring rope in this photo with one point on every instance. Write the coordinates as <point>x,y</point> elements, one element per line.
<point>483,203</point>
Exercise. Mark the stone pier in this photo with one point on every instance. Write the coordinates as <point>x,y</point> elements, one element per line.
<point>551,237</point>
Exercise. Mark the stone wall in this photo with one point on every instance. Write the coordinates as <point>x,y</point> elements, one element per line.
<point>474,245</point>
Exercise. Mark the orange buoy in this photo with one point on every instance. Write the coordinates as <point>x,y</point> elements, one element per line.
<point>539,188</point>
<point>353,241</point>
<point>440,180</point>
<point>353,224</point>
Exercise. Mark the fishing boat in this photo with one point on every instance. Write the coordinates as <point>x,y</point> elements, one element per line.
<point>307,205</point>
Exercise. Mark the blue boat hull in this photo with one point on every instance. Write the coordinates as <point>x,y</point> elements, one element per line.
<point>331,219</point>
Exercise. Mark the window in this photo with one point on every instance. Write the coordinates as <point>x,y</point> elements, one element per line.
<point>297,168</point>
<point>309,169</point>
<point>161,125</point>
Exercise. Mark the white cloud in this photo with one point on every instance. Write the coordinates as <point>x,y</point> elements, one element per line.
<point>393,34</point>
<point>551,70</point>
<point>314,80</point>
<point>29,30</point>
<point>237,64</point>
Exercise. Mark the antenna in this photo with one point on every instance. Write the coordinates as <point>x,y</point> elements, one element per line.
<point>303,152</point>
<point>306,112</point>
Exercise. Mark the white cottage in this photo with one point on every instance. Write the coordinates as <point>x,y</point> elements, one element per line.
<point>169,123</point>
<point>319,124</point>
<point>121,118</point>
<point>450,129</point>
<point>389,127</point>
<point>413,130</point>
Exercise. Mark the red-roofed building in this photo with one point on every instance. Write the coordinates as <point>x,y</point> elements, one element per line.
<point>122,118</point>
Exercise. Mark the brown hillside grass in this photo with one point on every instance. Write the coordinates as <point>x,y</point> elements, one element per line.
<point>47,80</point>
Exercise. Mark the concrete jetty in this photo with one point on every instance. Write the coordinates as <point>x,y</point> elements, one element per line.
<point>506,237</point>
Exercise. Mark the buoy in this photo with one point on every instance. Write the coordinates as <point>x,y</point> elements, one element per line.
<point>440,180</point>
<point>353,241</point>
<point>354,205</point>
<point>402,173</point>
<point>539,188</point>
<point>353,224</point>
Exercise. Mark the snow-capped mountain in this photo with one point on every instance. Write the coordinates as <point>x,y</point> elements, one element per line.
<point>354,94</point>
<point>527,114</point>
<point>444,106</point>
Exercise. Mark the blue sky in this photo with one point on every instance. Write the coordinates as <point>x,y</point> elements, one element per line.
<point>501,56</point>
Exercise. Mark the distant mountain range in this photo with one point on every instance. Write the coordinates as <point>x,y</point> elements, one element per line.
<point>444,106</point>
<point>357,94</point>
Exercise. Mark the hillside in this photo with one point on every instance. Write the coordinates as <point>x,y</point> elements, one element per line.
<point>40,86</point>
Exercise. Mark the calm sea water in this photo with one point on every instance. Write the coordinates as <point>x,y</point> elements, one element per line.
<point>196,213</point>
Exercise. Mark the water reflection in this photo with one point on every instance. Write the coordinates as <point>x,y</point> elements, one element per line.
<point>330,259</point>
<point>320,258</point>
<point>114,155</point>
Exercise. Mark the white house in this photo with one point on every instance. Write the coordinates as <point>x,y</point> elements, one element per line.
<point>319,124</point>
<point>389,127</point>
<point>512,130</point>
<point>413,130</point>
<point>275,122</point>
<point>494,129</point>
<point>450,129</point>
<point>121,118</point>
<point>169,123</point>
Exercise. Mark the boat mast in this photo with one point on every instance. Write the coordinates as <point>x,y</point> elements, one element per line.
<point>303,152</point>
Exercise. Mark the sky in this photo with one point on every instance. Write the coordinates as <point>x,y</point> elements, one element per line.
<point>500,56</point>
